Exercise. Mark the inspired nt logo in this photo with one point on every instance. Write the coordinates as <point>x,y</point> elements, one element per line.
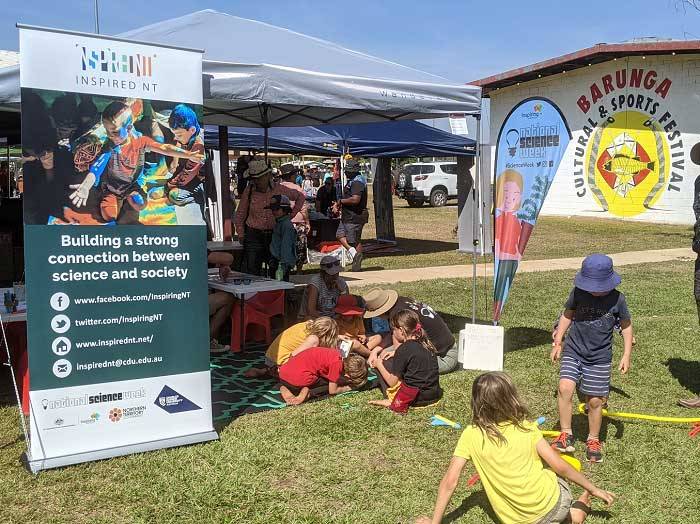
<point>109,61</point>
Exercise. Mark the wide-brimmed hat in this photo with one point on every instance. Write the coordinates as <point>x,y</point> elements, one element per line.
<point>256,169</point>
<point>347,306</point>
<point>352,166</point>
<point>330,265</point>
<point>279,202</point>
<point>597,274</point>
<point>289,169</point>
<point>379,301</point>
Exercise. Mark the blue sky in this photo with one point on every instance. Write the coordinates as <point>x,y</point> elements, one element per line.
<point>459,39</point>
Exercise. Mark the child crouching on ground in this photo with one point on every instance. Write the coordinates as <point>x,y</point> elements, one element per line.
<point>321,332</point>
<point>591,312</point>
<point>315,369</point>
<point>408,376</point>
<point>507,451</point>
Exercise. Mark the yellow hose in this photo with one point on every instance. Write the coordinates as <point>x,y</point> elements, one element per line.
<point>653,418</point>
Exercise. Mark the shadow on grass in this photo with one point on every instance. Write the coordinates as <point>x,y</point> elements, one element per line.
<point>417,246</point>
<point>525,338</point>
<point>687,372</point>
<point>475,499</point>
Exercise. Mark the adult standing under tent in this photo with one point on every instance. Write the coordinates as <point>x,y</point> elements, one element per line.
<point>255,221</point>
<point>353,213</point>
<point>300,220</point>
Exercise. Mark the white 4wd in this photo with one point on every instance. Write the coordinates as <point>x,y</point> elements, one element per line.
<point>433,182</point>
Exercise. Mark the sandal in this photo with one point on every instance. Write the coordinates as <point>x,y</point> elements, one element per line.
<point>578,507</point>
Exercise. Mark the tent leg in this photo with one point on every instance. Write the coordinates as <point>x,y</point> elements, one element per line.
<point>383,205</point>
<point>266,143</point>
<point>225,182</point>
<point>475,215</point>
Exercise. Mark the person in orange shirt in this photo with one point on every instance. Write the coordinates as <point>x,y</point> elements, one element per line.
<point>509,191</point>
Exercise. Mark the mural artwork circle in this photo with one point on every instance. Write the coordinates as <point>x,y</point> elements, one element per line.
<point>627,163</point>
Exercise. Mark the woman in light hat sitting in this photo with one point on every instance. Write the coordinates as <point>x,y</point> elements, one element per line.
<point>254,219</point>
<point>324,289</point>
<point>382,303</point>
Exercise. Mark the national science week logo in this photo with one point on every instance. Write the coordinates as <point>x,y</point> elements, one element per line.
<point>630,151</point>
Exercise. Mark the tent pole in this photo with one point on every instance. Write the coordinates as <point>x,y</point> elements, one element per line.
<point>475,214</point>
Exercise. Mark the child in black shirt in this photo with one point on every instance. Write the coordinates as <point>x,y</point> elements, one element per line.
<point>410,376</point>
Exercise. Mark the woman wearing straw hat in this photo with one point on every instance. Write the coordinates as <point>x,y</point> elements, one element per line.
<point>254,220</point>
<point>381,303</point>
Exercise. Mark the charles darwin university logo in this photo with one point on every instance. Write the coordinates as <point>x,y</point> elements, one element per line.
<point>172,402</point>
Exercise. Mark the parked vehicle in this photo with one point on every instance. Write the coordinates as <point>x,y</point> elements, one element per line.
<point>433,182</point>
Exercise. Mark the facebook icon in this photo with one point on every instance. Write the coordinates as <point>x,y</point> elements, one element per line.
<point>60,301</point>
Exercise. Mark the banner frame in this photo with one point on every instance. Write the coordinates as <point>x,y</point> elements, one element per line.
<point>105,37</point>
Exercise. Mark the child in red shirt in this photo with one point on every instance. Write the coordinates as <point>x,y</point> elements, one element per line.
<point>318,367</point>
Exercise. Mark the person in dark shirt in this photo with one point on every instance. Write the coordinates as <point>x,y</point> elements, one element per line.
<point>593,308</point>
<point>326,196</point>
<point>410,376</point>
<point>353,213</point>
<point>695,402</point>
<point>382,303</point>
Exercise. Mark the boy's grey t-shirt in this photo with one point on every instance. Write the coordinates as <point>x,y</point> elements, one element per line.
<point>591,333</point>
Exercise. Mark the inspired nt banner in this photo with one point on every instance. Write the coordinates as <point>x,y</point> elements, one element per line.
<point>115,247</point>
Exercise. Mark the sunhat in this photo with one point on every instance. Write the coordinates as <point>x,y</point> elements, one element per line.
<point>330,265</point>
<point>279,201</point>
<point>597,274</point>
<point>256,169</point>
<point>379,301</point>
<point>347,306</point>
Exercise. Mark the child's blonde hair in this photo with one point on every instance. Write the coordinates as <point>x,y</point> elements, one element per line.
<point>495,401</point>
<point>355,370</point>
<point>509,175</point>
<point>409,322</point>
<point>326,329</point>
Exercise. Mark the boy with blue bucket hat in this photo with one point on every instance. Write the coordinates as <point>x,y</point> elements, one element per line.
<point>593,309</point>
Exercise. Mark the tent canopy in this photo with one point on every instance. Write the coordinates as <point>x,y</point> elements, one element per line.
<point>384,139</point>
<point>259,75</point>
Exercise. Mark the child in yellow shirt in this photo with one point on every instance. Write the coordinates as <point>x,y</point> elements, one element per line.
<point>508,453</point>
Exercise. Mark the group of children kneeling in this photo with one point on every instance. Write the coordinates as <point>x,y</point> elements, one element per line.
<point>333,355</point>
<point>508,451</point>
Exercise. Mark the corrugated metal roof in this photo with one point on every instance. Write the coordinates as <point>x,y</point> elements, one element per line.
<point>585,57</point>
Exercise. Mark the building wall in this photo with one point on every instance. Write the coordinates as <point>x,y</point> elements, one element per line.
<point>624,162</point>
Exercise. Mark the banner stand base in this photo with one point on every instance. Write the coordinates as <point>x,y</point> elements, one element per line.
<point>67,460</point>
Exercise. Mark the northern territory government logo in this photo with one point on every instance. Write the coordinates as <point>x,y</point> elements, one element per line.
<point>630,151</point>
<point>172,402</point>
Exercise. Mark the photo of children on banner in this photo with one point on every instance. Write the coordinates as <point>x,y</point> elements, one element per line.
<point>106,161</point>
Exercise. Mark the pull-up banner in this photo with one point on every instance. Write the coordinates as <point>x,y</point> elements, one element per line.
<point>115,247</point>
<point>530,146</point>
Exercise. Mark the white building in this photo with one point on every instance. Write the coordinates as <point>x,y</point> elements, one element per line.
<point>634,113</point>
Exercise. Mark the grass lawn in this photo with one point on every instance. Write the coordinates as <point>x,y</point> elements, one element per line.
<point>340,460</point>
<point>426,236</point>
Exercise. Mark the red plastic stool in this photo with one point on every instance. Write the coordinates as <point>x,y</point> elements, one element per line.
<point>268,302</point>
<point>256,325</point>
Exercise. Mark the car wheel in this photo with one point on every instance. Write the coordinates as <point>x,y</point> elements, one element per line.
<point>415,203</point>
<point>438,198</point>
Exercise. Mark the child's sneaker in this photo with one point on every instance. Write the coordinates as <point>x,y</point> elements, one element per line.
<point>594,450</point>
<point>564,443</point>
